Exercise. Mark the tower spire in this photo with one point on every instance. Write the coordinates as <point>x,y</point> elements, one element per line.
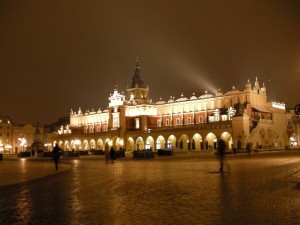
<point>137,81</point>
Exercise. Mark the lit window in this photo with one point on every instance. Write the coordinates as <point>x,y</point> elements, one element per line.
<point>159,123</point>
<point>189,120</point>
<point>137,123</point>
<point>98,129</point>
<point>200,119</point>
<point>85,130</point>
<point>167,122</point>
<point>177,121</point>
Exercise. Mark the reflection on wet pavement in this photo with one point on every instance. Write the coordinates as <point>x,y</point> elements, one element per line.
<point>263,189</point>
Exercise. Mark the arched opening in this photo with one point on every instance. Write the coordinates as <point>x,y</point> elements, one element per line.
<point>100,145</point>
<point>93,144</point>
<point>211,141</point>
<point>184,142</point>
<point>130,144</point>
<point>67,146</point>
<point>61,144</point>
<point>150,143</point>
<point>171,142</point>
<point>160,142</point>
<point>140,145</point>
<point>85,145</point>
<point>227,138</point>
<point>197,140</point>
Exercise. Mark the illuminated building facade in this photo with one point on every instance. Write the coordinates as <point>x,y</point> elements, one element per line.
<point>132,121</point>
<point>15,138</point>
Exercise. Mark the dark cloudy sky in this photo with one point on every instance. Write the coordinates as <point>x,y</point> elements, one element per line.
<point>58,54</point>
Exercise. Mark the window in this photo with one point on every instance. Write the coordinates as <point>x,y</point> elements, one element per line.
<point>167,122</point>
<point>200,119</point>
<point>137,123</point>
<point>91,129</point>
<point>189,120</point>
<point>159,123</point>
<point>177,121</point>
<point>211,118</point>
<point>7,134</point>
<point>98,129</point>
<point>85,130</point>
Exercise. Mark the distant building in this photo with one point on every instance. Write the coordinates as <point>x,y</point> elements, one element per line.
<point>6,135</point>
<point>132,121</point>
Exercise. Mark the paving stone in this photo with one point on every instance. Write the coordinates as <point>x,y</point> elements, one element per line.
<point>181,189</point>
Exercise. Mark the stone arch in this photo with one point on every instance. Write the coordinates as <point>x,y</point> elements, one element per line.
<point>67,146</point>
<point>184,142</point>
<point>77,145</point>
<point>150,143</point>
<point>171,143</point>
<point>211,141</point>
<point>130,144</point>
<point>86,145</point>
<point>160,142</point>
<point>196,142</point>
<point>61,144</point>
<point>93,144</point>
<point>100,144</point>
<point>139,143</point>
<point>227,138</point>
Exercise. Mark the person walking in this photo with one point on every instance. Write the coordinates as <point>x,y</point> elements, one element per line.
<point>56,154</point>
<point>248,147</point>
<point>221,151</point>
<point>106,152</point>
<point>112,154</point>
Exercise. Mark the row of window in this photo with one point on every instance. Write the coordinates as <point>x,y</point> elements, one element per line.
<point>98,129</point>
<point>213,118</point>
<point>6,135</point>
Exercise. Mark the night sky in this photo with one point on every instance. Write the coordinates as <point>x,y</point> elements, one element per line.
<point>58,55</point>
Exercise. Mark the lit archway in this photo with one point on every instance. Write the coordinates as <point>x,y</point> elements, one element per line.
<point>184,142</point>
<point>100,144</point>
<point>150,143</point>
<point>171,142</point>
<point>66,146</point>
<point>93,144</point>
<point>130,144</point>
<point>227,138</point>
<point>211,141</point>
<point>160,142</point>
<point>197,140</point>
<point>85,145</point>
<point>140,145</point>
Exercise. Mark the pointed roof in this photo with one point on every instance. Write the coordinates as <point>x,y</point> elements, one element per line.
<point>137,81</point>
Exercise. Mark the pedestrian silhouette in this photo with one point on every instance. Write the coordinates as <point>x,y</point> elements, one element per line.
<point>221,152</point>
<point>248,147</point>
<point>112,154</point>
<point>106,152</point>
<point>56,154</point>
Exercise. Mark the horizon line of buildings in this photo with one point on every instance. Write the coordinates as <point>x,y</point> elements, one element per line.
<point>133,122</point>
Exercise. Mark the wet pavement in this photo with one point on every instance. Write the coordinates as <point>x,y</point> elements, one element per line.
<point>180,189</point>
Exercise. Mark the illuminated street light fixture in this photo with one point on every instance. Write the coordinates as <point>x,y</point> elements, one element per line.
<point>23,143</point>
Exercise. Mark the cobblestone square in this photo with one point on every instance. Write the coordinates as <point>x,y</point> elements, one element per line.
<point>181,189</point>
